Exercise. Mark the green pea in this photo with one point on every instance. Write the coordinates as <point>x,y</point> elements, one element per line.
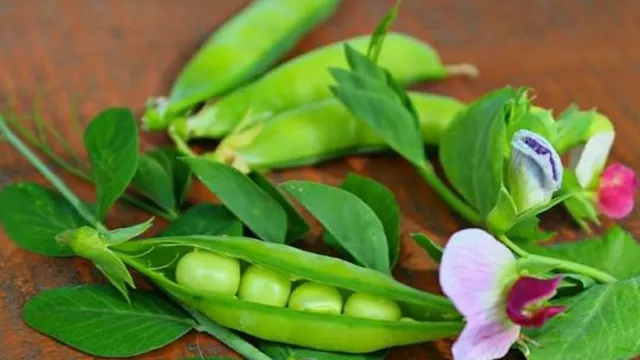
<point>316,298</point>
<point>305,79</point>
<point>208,273</point>
<point>237,52</point>
<point>369,306</point>
<point>264,286</point>
<point>324,130</point>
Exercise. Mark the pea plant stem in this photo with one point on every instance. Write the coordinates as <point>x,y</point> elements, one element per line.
<point>560,264</point>
<point>453,200</point>
<point>49,175</point>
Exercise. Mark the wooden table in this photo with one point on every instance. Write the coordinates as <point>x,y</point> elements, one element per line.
<point>115,52</point>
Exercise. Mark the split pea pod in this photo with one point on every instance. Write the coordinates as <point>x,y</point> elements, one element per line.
<point>280,293</point>
<point>306,79</point>
<point>323,130</point>
<point>240,50</point>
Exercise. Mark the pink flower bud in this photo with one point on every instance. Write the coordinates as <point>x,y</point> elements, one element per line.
<point>616,194</point>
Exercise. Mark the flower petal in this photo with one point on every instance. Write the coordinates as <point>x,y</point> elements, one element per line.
<point>616,194</point>
<point>473,271</point>
<point>589,160</point>
<point>485,341</point>
<point>529,291</point>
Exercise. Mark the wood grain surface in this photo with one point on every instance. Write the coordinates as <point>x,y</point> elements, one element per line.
<point>84,55</point>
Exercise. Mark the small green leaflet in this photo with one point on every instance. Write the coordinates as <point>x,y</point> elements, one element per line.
<point>297,226</point>
<point>154,182</point>
<point>111,141</point>
<point>377,38</point>
<point>616,253</point>
<point>252,205</point>
<point>94,319</point>
<point>121,235</point>
<point>279,351</point>
<point>581,205</point>
<point>32,216</point>
<point>383,203</point>
<point>178,171</point>
<point>380,103</point>
<point>205,219</point>
<point>429,246</point>
<point>600,323</point>
<point>348,219</point>
<point>472,149</point>
<point>571,128</point>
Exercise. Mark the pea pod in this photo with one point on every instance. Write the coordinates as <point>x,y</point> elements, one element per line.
<point>240,50</point>
<point>435,316</point>
<point>324,130</point>
<point>305,79</point>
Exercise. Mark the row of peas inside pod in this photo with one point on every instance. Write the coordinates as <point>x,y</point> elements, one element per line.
<point>208,272</point>
<point>280,293</point>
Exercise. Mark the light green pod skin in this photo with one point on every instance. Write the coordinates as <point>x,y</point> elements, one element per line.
<point>318,298</point>
<point>320,331</point>
<point>264,286</point>
<point>369,306</point>
<point>325,130</point>
<point>306,79</point>
<point>241,49</point>
<point>220,275</point>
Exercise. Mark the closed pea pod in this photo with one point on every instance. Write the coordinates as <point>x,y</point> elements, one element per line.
<point>240,50</point>
<point>306,79</point>
<point>323,130</point>
<point>435,316</point>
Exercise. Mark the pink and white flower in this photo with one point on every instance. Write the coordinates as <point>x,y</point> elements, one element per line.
<point>479,274</point>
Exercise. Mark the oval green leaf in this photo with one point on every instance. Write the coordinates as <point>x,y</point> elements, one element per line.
<point>177,169</point>
<point>111,141</point>
<point>383,203</point>
<point>251,204</point>
<point>96,320</point>
<point>348,219</point>
<point>154,182</point>
<point>33,215</point>
<point>205,219</point>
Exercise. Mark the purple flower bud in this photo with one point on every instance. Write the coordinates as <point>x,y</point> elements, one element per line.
<point>535,171</point>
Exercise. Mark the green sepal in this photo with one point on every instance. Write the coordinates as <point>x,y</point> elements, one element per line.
<point>89,243</point>
<point>117,236</point>
<point>504,215</point>
<point>581,205</point>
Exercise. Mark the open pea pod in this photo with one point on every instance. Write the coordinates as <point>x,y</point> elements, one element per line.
<point>240,50</point>
<point>392,314</point>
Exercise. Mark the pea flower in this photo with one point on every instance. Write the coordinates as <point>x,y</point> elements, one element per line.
<point>535,170</point>
<point>616,191</point>
<point>479,275</point>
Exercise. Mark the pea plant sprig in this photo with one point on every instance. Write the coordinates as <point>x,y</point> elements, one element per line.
<point>503,175</point>
<point>216,276</point>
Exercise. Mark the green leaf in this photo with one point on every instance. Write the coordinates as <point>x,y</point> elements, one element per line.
<point>348,219</point>
<point>95,320</point>
<point>279,351</point>
<point>390,116</point>
<point>571,128</point>
<point>205,219</point>
<point>32,216</point>
<point>383,203</point>
<point>581,205</point>
<point>600,323</point>
<point>154,182</point>
<point>177,169</point>
<point>296,225</point>
<point>527,230</point>
<point>434,250</point>
<point>111,140</point>
<point>118,236</point>
<point>472,149</point>
<point>252,205</point>
<point>616,253</point>
<point>377,38</point>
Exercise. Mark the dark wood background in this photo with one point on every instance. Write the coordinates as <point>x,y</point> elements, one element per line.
<point>101,53</point>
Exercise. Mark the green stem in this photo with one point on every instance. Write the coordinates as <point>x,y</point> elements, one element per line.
<point>560,264</point>
<point>449,196</point>
<point>49,175</point>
